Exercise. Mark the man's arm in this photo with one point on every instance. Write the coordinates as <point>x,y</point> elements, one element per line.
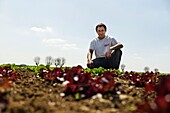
<point>116,46</point>
<point>89,56</point>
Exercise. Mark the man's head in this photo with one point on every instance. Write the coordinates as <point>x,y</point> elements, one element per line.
<point>101,30</point>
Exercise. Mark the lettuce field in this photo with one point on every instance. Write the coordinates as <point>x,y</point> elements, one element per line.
<point>45,89</point>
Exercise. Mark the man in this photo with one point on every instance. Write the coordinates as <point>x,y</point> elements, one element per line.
<point>107,50</point>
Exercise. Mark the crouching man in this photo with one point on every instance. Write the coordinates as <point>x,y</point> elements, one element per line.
<point>107,50</point>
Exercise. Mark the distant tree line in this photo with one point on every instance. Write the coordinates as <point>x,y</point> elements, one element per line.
<point>49,61</point>
<point>146,69</point>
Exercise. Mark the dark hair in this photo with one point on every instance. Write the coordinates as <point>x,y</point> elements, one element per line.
<point>101,25</point>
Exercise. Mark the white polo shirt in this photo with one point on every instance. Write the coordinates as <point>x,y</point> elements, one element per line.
<point>102,46</point>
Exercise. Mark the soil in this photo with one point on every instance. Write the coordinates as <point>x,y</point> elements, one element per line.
<point>30,94</point>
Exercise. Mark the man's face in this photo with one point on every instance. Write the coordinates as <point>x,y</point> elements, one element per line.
<point>101,31</point>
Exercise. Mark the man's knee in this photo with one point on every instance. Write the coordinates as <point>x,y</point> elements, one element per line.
<point>116,58</point>
<point>118,52</point>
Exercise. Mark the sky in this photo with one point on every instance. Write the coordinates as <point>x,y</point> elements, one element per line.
<point>64,28</point>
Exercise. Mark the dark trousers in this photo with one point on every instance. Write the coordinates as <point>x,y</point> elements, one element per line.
<point>108,63</point>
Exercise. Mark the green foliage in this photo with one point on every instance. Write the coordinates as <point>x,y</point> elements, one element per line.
<point>13,66</point>
<point>99,71</point>
<point>94,71</point>
<point>36,69</point>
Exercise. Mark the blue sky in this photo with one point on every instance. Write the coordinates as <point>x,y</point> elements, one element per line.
<point>64,28</point>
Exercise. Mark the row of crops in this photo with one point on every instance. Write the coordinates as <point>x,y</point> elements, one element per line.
<point>82,83</point>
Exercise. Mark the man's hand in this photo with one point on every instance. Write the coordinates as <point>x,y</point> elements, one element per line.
<point>108,54</point>
<point>90,64</point>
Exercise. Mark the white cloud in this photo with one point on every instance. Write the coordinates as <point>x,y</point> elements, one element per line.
<point>41,29</point>
<point>136,56</point>
<point>60,43</point>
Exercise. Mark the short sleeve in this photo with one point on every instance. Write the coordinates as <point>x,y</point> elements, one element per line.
<point>92,45</point>
<point>114,41</point>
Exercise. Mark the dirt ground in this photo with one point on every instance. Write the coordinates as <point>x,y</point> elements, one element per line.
<point>34,95</point>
